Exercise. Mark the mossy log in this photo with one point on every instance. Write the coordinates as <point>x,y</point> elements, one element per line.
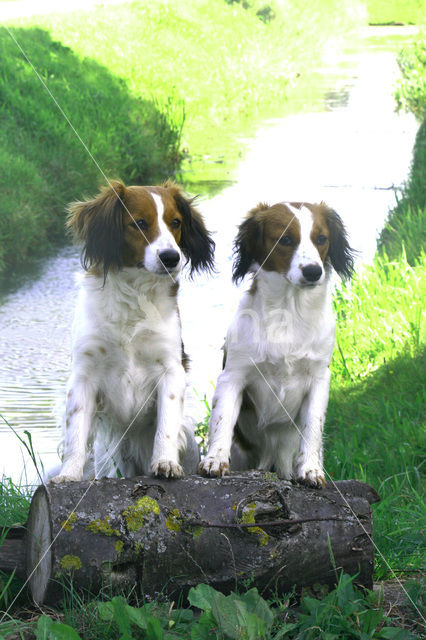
<point>166,536</point>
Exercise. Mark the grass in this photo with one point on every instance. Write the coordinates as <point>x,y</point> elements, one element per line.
<point>376,416</point>
<point>395,11</point>
<point>145,85</point>
<point>412,85</point>
<point>344,613</point>
<point>42,163</point>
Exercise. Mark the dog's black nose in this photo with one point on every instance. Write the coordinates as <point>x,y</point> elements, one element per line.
<point>312,272</point>
<point>169,258</point>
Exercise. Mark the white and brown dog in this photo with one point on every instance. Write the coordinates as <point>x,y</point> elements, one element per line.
<point>270,401</point>
<point>126,391</point>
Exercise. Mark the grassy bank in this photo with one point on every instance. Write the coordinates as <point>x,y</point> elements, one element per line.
<point>376,413</point>
<point>144,84</point>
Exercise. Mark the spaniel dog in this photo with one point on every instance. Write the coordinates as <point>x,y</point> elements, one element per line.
<point>125,397</point>
<point>270,401</point>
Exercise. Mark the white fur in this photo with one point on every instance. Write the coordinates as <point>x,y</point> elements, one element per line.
<point>126,392</point>
<point>164,240</point>
<point>278,350</point>
<point>307,252</point>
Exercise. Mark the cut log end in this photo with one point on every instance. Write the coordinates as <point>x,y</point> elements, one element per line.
<point>39,546</point>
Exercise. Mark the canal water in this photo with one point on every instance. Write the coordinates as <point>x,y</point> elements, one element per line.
<point>342,143</point>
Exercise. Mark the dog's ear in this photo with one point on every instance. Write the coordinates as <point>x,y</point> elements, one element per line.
<point>98,224</point>
<point>196,242</point>
<point>248,243</point>
<point>340,252</point>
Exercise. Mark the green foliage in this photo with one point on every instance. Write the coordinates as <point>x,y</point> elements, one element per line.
<point>202,430</point>
<point>411,92</point>
<point>345,613</point>
<point>43,164</point>
<point>405,228</point>
<point>235,616</point>
<point>47,629</point>
<point>14,502</point>
<point>376,413</point>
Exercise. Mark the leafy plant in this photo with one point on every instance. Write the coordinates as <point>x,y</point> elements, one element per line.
<point>346,613</point>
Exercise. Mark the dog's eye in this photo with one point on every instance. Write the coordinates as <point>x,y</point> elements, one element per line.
<point>175,224</point>
<point>321,240</point>
<point>139,224</point>
<point>286,241</point>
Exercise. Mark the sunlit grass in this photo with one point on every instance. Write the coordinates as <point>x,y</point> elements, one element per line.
<point>395,11</point>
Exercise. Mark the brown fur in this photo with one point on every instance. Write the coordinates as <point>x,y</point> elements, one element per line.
<point>106,226</point>
<point>259,234</point>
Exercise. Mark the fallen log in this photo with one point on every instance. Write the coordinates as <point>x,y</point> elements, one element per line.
<point>158,535</point>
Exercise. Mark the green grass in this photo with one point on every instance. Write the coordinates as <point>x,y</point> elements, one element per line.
<point>42,163</point>
<point>412,85</point>
<point>396,11</point>
<point>345,613</point>
<point>145,84</point>
<point>376,415</point>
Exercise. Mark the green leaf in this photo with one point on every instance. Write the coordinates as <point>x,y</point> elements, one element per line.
<point>49,630</point>
<point>121,617</point>
<point>43,626</point>
<point>181,615</point>
<point>106,611</point>
<point>202,596</point>
<point>227,616</point>
<point>256,627</point>
<point>393,633</point>
<point>370,619</point>
<point>200,633</point>
<point>205,624</point>
<point>257,605</point>
<point>285,629</point>
<point>154,630</point>
<point>60,631</point>
<point>139,616</point>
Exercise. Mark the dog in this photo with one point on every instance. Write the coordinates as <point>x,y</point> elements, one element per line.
<point>269,405</point>
<point>125,396</point>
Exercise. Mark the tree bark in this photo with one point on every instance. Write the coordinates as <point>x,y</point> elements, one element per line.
<point>166,536</point>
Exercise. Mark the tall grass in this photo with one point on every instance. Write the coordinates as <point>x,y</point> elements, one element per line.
<point>376,416</point>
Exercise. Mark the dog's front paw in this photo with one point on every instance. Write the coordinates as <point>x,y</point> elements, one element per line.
<point>214,466</point>
<point>167,468</point>
<point>65,478</point>
<point>310,475</point>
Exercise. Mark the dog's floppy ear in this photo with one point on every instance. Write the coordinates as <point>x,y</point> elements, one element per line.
<point>247,244</point>
<point>98,224</point>
<point>196,243</point>
<point>340,252</point>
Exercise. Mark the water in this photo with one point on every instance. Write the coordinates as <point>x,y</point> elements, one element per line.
<point>343,144</point>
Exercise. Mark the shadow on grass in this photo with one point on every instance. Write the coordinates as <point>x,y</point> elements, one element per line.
<point>405,226</point>
<point>375,433</point>
<point>43,165</point>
